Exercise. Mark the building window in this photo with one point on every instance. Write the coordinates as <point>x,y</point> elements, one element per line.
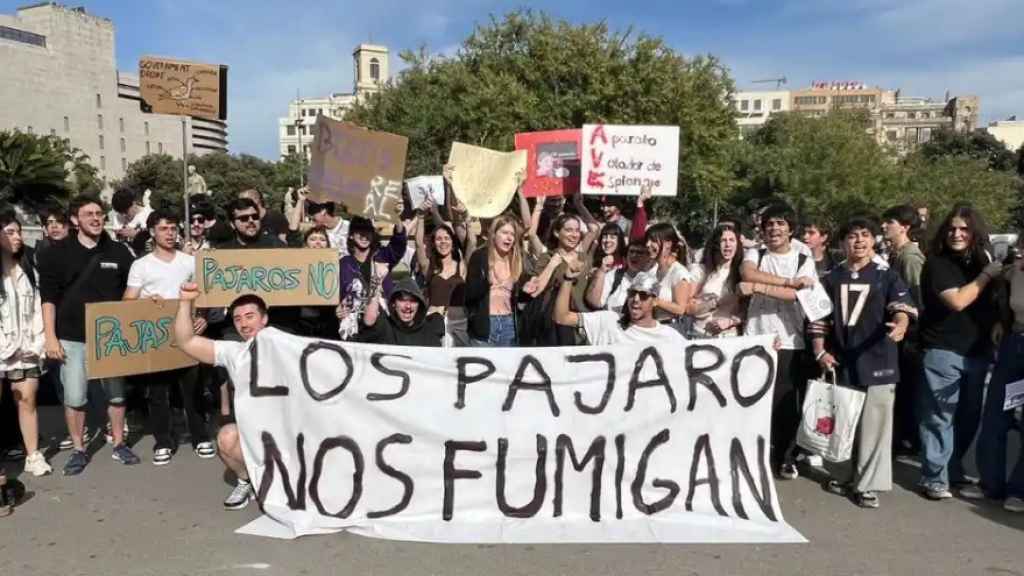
<point>925,115</point>
<point>911,135</point>
<point>124,164</point>
<point>890,135</point>
<point>120,122</point>
<point>99,121</point>
<point>744,105</point>
<point>911,115</point>
<point>290,130</point>
<point>757,105</point>
<point>146,128</point>
<point>103,162</point>
<point>123,146</point>
<point>101,141</point>
<point>890,115</point>
<point>777,104</point>
<point>160,147</point>
<point>147,147</point>
<point>375,69</point>
<point>924,135</point>
<point>30,130</point>
<point>53,131</point>
<point>291,149</point>
<point>99,101</point>
<point>22,36</point>
<point>67,124</point>
<point>305,149</point>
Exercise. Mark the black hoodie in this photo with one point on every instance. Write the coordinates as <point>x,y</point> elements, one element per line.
<point>425,330</point>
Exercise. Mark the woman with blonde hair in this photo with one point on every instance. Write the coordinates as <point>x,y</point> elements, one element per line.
<point>494,279</point>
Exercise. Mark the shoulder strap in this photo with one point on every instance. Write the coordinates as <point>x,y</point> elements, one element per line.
<point>620,273</point>
<point>80,279</point>
<point>800,259</point>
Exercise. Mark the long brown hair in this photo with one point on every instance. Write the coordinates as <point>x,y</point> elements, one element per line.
<point>515,259</point>
<point>976,251</point>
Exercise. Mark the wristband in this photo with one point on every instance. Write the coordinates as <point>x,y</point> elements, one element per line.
<point>819,356</point>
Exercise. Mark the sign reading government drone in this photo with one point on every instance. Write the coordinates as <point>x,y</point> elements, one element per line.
<point>582,444</point>
<point>183,88</point>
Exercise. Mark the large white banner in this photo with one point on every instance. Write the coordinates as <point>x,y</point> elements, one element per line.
<point>585,444</point>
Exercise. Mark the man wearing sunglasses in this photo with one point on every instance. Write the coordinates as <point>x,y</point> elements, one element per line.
<point>636,322</point>
<point>245,221</point>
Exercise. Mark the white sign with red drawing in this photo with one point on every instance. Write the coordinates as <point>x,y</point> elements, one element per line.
<point>620,160</point>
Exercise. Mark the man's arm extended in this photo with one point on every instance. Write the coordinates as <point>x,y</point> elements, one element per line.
<point>196,347</point>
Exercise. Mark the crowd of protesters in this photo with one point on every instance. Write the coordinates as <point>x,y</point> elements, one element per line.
<point>917,325</point>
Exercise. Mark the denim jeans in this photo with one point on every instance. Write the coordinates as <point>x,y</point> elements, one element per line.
<point>76,383</point>
<point>996,423</point>
<point>502,333</point>
<point>950,409</point>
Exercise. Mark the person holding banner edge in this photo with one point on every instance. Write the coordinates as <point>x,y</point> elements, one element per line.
<point>249,316</point>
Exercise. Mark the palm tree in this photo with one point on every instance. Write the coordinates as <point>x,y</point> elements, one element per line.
<point>33,171</point>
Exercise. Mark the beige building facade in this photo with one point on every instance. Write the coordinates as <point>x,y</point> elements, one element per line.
<point>295,131</point>
<point>1009,132</point>
<point>60,78</point>
<point>754,108</point>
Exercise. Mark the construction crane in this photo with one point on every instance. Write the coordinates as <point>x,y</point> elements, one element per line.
<point>778,81</point>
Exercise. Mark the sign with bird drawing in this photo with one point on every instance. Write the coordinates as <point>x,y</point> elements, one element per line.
<point>183,88</point>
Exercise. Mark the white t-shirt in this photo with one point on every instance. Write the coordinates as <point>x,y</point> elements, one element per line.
<point>676,273</point>
<point>138,222</point>
<point>614,301</point>
<point>158,278</point>
<point>766,315</point>
<point>602,327</point>
<point>728,300</point>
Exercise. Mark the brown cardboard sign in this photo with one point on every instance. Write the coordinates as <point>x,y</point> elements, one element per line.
<point>183,88</point>
<point>281,276</point>
<point>131,337</point>
<point>360,168</point>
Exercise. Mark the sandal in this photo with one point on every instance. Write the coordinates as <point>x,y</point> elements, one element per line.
<point>866,499</point>
<point>835,487</point>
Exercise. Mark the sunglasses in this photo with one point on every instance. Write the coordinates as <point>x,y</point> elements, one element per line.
<point>199,219</point>
<point>643,296</point>
<point>247,218</point>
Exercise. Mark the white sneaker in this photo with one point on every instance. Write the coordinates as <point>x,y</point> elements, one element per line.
<point>1013,504</point>
<point>162,456</point>
<point>205,450</point>
<point>240,496</point>
<point>36,464</point>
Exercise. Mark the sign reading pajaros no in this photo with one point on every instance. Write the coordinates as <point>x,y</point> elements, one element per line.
<point>282,277</point>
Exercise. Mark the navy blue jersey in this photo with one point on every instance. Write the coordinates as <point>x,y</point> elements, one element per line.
<point>863,301</point>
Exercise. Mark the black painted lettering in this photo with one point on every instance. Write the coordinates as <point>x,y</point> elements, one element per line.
<point>641,475</point>
<point>738,465</point>
<point>620,471</point>
<point>662,380</point>
<point>700,375</point>
<point>540,483</point>
<point>563,446</point>
<point>543,385</point>
<point>255,390</point>
<point>465,378</point>
<point>375,361</point>
<point>451,473</point>
<point>702,448</point>
<point>272,459</point>
<point>608,359</point>
<point>407,484</point>
<point>737,361</point>
<point>311,349</point>
<point>357,474</point>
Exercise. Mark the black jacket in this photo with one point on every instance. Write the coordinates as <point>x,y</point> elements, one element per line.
<point>478,294</point>
<point>60,265</point>
<point>425,330</point>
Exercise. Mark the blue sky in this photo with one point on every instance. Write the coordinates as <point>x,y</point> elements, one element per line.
<point>275,49</point>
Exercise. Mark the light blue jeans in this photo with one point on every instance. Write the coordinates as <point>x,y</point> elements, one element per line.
<point>996,424</point>
<point>950,409</point>
<point>76,382</point>
<point>502,333</point>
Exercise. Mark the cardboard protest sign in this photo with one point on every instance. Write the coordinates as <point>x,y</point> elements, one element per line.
<point>552,162</point>
<point>625,443</point>
<point>423,187</point>
<point>485,180</point>
<point>619,160</point>
<point>360,168</point>
<point>282,277</point>
<point>131,337</point>
<point>183,88</point>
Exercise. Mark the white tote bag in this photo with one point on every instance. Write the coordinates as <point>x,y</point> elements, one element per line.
<point>830,417</point>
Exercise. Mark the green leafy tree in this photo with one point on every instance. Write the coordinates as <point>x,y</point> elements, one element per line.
<point>528,72</point>
<point>978,144</point>
<point>36,171</point>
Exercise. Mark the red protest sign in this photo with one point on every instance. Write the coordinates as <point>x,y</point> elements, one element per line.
<point>552,162</point>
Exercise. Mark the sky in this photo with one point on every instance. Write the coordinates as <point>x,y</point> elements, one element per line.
<point>276,50</point>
